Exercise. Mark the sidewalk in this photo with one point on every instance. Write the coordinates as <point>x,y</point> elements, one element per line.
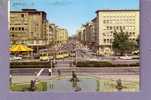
<point>27,79</point>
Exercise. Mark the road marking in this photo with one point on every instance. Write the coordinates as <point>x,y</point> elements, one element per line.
<point>39,73</point>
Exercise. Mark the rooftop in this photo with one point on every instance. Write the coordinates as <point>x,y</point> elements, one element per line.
<point>27,10</point>
<point>112,10</point>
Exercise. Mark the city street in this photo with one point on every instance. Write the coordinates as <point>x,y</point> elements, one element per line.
<point>82,54</point>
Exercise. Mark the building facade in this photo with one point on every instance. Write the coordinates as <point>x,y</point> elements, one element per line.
<point>32,28</point>
<point>109,21</point>
<point>61,36</point>
<point>51,31</point>
<point>28,26</point>
<point>87,34</point>
<point>99,32</point>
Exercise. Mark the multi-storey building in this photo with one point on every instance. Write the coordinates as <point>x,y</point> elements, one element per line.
<point>61,36</point>
<point>87,34</point>
<point>51,31</point>
<point>99,32</point>
<point>109,21</point>
<point>28,26</point>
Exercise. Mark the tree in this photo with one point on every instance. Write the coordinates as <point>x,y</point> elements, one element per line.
<point>121,43</point>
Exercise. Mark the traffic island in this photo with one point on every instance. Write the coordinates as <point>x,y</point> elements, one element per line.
<point>104,64</point>
<point>22,87</point>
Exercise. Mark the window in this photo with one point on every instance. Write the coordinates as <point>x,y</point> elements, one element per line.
<point>123,27</point>
<point>110,27</point>
<point>111,40</point>
<point>104,21</point>
<point>108,40</point>
<point>134,33</point>
<point>104,40</point>
<point>12,28</point>
<point>126,33</point>
<point>104,34</point>
<point>107,21</point>
<point>130,33</point>
<point>16,29</point>
<point>22,15</point>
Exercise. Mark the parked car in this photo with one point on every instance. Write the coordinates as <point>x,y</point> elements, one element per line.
<point>44,57</point>
<point>15,58</point>
<point>126,57</point>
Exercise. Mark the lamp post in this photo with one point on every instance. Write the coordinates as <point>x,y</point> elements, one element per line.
<point>76,49</point>
<point>50,70</point>
<point>10,79</point>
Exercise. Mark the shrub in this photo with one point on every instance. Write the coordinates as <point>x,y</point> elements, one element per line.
<point>93,64</point>
<point>103,64</point>
<point>30,65</point>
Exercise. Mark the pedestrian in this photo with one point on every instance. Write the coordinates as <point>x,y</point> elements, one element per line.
<point>59,72</point>
<point>50,71</point>
<point>119,85</point>
<point>71,64</point>
<point>32,85</point>
<point>10,80</point>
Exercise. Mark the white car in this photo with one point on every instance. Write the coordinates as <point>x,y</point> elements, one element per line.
<point>15,58</point>
<point>44,58</point>
<point>126,57</point>
<point>94,59</point>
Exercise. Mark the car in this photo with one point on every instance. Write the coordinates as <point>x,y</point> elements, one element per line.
<point>93,59</point>
<point>44,58</point>
<point>126,57</point>
<point>15,58</point>
<point>51,57</point>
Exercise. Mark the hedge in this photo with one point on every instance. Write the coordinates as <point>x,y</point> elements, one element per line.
<point>103,64</point>
<point>30,65</point>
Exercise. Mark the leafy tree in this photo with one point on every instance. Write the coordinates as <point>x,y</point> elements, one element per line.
<point>121,43</point>
<point>138,42</point>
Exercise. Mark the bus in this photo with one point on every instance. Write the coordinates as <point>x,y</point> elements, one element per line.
<point>61,54</point>
<point>45,55</point>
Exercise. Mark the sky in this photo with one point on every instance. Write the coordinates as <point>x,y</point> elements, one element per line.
<point>71,14</point>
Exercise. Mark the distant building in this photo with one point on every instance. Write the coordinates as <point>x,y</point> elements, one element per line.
<point>61,36</point>
<point>87,35</point>
<point>51,31</point>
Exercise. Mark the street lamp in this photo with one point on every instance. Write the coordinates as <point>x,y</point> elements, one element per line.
<point>76,53</point>
<point>50,69</point>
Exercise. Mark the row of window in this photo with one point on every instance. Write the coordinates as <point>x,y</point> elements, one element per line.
<point>17,29</point>
<point>18,24</point>
<point>111,33</point>
<point>119,21</point>
<point>124,16</point>
<point>111,40</point>
<point>18,20</point>
<point>119,27</point>
<point>108,40</point>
